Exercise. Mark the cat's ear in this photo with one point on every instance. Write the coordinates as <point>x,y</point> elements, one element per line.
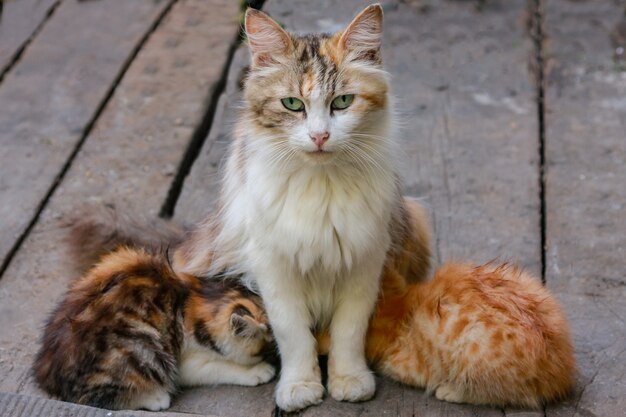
<point>364,35</point>
<point>266,39</point>
<point>246,326</point>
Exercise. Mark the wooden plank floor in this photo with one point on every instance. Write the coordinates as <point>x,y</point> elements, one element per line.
<point>586,196</point>
<point>146,124</point>
<point>129,158</point>
<point>52,96</point>
<point>19,22</point>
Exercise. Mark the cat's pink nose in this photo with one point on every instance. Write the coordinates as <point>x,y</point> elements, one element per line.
<point>319,138</point>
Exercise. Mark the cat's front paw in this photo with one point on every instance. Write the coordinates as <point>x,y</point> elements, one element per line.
<point>359,386</point>
<point>296,395</point>
<point>261,373</point>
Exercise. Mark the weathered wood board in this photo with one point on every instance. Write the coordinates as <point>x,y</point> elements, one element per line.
<point>15,405</point>
<point>52,94</point>
<point>201,186</point>
<point>586,197</point>
<point>470,136</point>
<point>129,158</point>
<point>18,22</point>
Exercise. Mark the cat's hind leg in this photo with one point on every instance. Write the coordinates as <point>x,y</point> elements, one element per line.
<point>451,393</point>
<point>213,372</point>
<point>154,400</point>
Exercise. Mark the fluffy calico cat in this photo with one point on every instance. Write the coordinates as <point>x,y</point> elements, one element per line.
<point>309,205</point>
<point>130,331</point>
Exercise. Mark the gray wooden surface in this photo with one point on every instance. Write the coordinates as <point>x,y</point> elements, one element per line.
<point>586,197</point>
<point>19,21</point>
<point>16,405</point>
<point>128,159</point>
<point>464,77</point>
<point>52,94</point>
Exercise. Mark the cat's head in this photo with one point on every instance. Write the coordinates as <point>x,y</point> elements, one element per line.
<point>224,316</point>
<point>322,97</point>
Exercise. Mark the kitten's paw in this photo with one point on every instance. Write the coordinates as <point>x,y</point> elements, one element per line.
<point>359,386</point>
<point>261,373</point>
<point>156,400</point>
<point>447,392</point>
<point>296,395</point>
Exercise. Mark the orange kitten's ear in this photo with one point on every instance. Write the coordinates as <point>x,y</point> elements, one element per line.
<point>364,34</point>
<point>266,38</point>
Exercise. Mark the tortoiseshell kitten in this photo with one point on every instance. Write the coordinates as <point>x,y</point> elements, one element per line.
<point>130,331</point>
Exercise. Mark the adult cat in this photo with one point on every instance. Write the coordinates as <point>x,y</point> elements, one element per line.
<point>310,205</point>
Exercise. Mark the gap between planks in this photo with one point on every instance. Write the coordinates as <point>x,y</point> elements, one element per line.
<point>199,136</point>
<point>202,131</point>
<point>68,163</point>
<point>20,51</point>
<point>538,36</point>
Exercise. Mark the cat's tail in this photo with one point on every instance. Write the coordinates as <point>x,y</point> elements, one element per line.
<point>413,260</point>
<point>100,230</point>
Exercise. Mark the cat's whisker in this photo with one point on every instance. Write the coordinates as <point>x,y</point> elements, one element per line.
<point>281,154</point>
<point>376,153</point>
<point>368,136</point>
<point>366,158</point>
<point>357,156</point>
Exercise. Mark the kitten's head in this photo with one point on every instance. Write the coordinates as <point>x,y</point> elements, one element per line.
<point>224,316</point>
<point>249,335</point>
<point>322,97</point>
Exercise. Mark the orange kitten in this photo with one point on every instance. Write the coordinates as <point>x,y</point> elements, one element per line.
<point>489,334</point>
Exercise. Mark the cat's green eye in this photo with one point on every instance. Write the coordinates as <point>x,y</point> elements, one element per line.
<point>293,104</point>
<point>342,102</point>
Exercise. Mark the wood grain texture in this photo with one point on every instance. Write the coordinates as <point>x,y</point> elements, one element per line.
<point>128,159</point>
<point>51,96</point>
<point>202,184</point>
<point>586,195</point>
<point>18,23</point>
<point>15,405</point>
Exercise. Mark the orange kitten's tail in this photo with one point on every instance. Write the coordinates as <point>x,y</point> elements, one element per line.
<point>103,229</point>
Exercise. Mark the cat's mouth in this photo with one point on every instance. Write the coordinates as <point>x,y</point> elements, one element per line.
<point>319,154</point>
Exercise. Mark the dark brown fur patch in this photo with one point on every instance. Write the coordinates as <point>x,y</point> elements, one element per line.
<point>118,331</point>
<point>203,336</point>
<point>100,230</point>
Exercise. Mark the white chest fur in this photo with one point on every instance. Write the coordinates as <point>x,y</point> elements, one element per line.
<point>322,217</point>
